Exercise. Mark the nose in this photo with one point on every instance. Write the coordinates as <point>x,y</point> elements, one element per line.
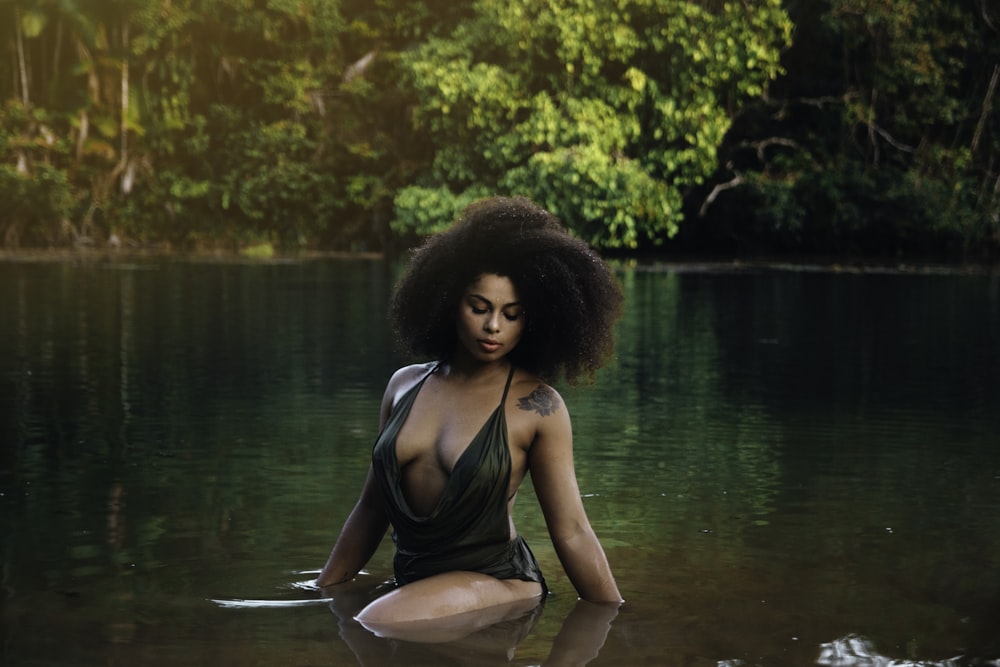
<point>492,323</point>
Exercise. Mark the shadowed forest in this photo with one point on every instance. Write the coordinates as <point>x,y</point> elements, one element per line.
<point>834,128</point>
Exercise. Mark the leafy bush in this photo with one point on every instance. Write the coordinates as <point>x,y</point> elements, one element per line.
<point>37,207</point>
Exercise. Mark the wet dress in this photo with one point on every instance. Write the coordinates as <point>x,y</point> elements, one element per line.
<point>469,528</point>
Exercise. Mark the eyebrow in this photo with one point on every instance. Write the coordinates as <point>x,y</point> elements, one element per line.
<point>506,305</point>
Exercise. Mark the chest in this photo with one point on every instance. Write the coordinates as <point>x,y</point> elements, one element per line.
<point>441,426</point>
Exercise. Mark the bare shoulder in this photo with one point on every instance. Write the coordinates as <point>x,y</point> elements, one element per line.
<point>402,381</point>
<point>407,376</point>
<point>537,417</point>
<point>537,398</point>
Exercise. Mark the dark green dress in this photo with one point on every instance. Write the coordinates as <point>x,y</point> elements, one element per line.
<point>469,529</point>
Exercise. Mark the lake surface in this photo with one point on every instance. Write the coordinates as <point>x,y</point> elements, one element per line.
<point>786,467</point>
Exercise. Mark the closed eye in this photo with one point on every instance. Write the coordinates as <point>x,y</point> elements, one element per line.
<point>480,306</point>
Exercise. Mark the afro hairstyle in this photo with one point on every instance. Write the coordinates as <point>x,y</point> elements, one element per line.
<point>571,298</point>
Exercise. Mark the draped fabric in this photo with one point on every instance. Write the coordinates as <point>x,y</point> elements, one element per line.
<point>469,528</point>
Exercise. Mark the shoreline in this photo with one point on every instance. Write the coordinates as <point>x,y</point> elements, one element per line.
<point>112,255</point>
<point>642,262</point>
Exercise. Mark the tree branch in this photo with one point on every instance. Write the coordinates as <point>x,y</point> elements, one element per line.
<point>764,144</point>
<point>719,188</point>
<point>987,107</point>
<point>21,58</point>
<point>874,127</point>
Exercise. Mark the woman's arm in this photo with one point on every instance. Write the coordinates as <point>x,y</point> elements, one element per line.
<point>359,538</point>
<point>366,524</point>
<point>553,476</point>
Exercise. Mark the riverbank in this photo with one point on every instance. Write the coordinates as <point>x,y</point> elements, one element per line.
<point>646,262</point>
<point>109,255</point>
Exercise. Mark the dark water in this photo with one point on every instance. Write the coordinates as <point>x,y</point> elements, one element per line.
<point>785,467</point>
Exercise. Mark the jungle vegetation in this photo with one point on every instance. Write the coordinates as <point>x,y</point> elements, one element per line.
<point>732,126</point>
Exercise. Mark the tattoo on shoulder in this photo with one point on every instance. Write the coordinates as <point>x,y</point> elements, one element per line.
<point>542,400</point>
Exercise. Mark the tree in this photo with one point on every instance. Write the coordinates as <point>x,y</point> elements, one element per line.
<point>118,96</point>
<point>53,39</point>
<point>239,93</point>
<point>889,146</point>
<point>607,113</point>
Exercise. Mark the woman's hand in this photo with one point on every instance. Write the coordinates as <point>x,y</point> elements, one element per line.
<point>359,538</point>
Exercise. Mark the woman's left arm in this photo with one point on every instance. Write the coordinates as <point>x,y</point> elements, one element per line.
<point>553,475</point>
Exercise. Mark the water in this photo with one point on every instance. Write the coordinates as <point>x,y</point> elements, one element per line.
<point>786,467</point>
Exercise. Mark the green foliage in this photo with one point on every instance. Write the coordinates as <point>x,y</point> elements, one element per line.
<point>882,213</point>
<point>274,180</point>
<point>424,211</point>
<point>606,112</point>
<point>343,123</point>
<point>183,120</point>
<point>37,207</point>
<point>37,194</point>
<point>893,149</point>
<point>263,250</point>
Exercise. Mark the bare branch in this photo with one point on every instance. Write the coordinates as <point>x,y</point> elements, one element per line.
<point>888,137</point>
<point>761,146</point>
<point>21,59</point>
<point>736,181</point>
<point>987,106</point>
<point>821,102</point>
<point>986,13</point>
<point>358,67</point>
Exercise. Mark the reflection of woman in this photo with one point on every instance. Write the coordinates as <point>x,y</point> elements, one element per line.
<point>503,300</point>
<point>579,640</point>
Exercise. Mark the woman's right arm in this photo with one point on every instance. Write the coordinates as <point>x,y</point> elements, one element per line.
<point>359,538</point>
<point>367,523</point>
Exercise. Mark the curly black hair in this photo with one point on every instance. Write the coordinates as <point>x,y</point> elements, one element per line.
<point>571,299</point>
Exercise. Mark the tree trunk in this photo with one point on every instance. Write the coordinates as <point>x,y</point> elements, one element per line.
<point>987,106</point>
<point>126,183</point>
<point>22,63</point>
<point>57,53</point>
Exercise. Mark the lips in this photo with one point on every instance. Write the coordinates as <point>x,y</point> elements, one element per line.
<point>488,345</point>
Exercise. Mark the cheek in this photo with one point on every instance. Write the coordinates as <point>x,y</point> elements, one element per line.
<point>469,323</point>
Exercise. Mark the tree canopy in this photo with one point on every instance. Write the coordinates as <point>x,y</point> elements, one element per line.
<point>882,138</point>
<point>604,112</point>
<point>840,125</point>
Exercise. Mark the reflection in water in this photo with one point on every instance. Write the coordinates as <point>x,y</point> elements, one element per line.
<point>494,644</point>
<point>269,604</point>
<point>773,458</point>
<point>508,623</point>
<point>582,635</point>
<point>856,651</point>
<point>475,638</point>
<point>578,642</point>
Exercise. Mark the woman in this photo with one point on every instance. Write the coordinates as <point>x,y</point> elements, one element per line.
<point>504,301</point>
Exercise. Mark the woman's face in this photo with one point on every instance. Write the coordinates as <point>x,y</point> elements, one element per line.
<point>490,317</point>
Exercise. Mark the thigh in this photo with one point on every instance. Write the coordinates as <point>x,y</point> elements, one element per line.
<point>451,594</point>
